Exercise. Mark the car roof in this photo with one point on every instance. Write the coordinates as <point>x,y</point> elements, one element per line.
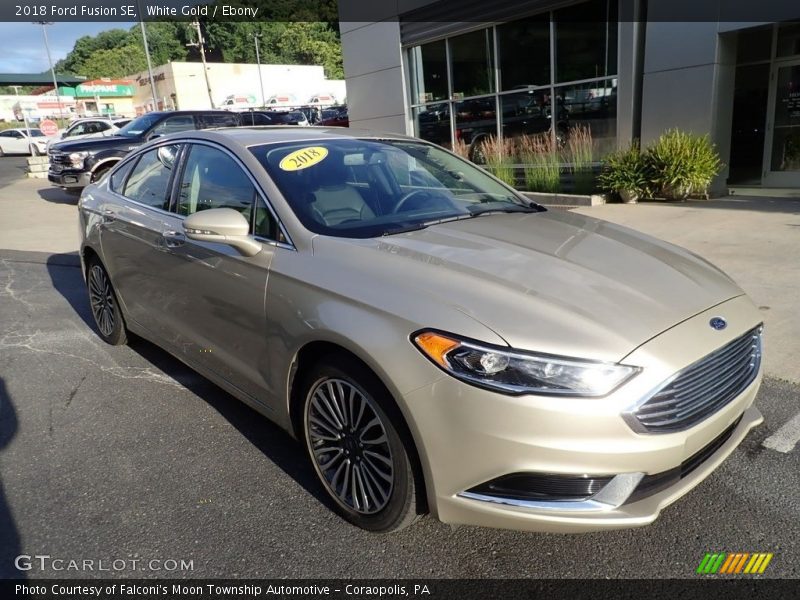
<point>268,134</point>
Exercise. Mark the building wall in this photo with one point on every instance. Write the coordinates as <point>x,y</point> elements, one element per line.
<point>374,75</point>
<point>186,81</point>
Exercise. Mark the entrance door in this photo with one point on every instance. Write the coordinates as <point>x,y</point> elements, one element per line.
<point>782,148</point>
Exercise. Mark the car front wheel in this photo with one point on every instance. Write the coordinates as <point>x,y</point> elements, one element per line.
<point>355,447</point>
<point>105,307</point>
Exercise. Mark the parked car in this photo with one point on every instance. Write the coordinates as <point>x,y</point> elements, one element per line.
<point>75,164</point>
<point>17,141</point>
<point>434,339</point>
<point>273,117</point>
<point>335,116</point>
<point>89,128</point>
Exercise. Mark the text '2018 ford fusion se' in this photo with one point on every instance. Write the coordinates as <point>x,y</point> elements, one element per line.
<point>436,341</point>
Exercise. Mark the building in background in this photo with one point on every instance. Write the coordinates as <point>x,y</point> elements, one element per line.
<point>459,72</point>
<point>182,85</point>
<point>102,97</point>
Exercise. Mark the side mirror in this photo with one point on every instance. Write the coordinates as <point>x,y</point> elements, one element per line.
<point>222,226</point>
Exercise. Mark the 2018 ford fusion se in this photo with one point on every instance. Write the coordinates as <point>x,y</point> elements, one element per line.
<point>437,342</point>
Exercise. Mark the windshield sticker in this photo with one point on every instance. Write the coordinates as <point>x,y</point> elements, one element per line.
<point>303,158</point>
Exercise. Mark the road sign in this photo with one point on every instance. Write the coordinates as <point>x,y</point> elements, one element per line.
<point>49,127</point>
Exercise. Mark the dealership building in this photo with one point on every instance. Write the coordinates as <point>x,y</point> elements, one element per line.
<point>624,69</point>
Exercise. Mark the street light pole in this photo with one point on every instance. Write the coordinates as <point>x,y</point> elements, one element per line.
<point>149,63</point>
<point>52,70</point>
<point>256,37</point>
<point>201,44</point>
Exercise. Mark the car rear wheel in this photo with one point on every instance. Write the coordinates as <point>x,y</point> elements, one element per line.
<point>355,447</point>
<point>105,307</point>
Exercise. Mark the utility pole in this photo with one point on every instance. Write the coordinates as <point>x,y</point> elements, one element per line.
<point>22,110</point>
<point>256,37</point>
<point>147,55</point>
<point>52,70</point>
<point>201,44</point>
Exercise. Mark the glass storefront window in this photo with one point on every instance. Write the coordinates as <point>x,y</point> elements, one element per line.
<point>754,45</point>
<point>524,53</point>
<point>428,66</point>
<point>526,113</point>
<point>432,123</point>
<point>472,61</point>
<point>586,41</point>
<point>475,118</point>
<point>789,39</point>
<point>594,105</point>
<point>786,128</point>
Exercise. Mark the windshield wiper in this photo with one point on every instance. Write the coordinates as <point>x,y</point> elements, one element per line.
<point>425,224</point>
<point>485,210</point>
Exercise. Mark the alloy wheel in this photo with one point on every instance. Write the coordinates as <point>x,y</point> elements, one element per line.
<point>101,297</point>
<point>349,445</point>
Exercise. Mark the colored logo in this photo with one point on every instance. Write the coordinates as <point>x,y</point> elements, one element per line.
<point>718,323</point>
<point>734,563</point>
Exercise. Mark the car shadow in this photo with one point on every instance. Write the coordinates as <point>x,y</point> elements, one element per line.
<point>58,195</point>
<point>10,543</point>
<point>65,275</point>
<point>270,439</point>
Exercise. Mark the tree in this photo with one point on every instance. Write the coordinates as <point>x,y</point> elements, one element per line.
<point>115,63</point>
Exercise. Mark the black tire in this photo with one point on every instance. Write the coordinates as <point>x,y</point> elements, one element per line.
<point>108,319</point>
<point>382,510</point>
<point>98,175</point>
<point>2,153</point>
<point>35,151</point>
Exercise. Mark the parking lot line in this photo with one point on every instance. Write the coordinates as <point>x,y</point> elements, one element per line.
<point>786,437</point>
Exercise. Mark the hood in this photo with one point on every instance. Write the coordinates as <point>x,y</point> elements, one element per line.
<point>554,282</point>
<point>97,144</point>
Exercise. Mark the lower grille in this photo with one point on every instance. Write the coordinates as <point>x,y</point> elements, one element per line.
<point>702,388</point>
<point>542,487</point>
<point>652,484</point>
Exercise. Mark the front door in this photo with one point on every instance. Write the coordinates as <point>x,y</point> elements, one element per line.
<point>782,148</point>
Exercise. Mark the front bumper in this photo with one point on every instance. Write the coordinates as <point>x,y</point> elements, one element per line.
<point>468,436</point>
<point>70,179</point>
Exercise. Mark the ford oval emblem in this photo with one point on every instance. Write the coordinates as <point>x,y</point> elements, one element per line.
<point>718,323</point>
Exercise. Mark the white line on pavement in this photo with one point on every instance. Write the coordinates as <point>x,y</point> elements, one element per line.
<point>786,437</point>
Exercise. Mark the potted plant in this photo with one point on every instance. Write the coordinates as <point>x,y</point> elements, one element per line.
<point>682,164</point>
<point>626,173</point>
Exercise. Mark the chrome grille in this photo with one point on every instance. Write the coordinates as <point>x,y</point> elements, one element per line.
<point>58,160</point>
<point>702,388</point>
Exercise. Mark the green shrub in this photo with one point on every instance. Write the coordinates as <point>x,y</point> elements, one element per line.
<point>542,163</point>
<point>682,164</point>
<point>579,152</point>
<point>499,158</point>
<point>626,171</point>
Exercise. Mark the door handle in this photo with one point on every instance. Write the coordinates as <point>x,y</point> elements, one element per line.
<point>173,238</point>
<point>109,215</point>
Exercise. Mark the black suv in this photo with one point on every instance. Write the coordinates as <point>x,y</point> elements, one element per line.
<point>78,163</point>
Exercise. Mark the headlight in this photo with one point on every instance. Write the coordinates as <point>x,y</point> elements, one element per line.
<point>76,159</point>
<point>514,372</point>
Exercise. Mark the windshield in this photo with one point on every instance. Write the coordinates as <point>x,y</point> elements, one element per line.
<point>139,125</point>
<point>367,188</point>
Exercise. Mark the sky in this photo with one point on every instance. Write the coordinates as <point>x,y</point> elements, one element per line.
<point>23,43</point>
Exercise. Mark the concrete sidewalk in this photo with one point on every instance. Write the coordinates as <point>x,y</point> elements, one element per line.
<point>37,217</point>
<point>755,240</point>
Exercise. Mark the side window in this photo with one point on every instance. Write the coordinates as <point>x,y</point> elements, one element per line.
<point>118,177</point>
<point>174,125</point>
<point>264,224</point>
<point>17,134</point>
<point>148,182</point>
<point>220,120</point>
<point>212,179</point>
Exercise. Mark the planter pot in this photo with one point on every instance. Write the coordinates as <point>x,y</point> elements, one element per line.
<point>629,196</point>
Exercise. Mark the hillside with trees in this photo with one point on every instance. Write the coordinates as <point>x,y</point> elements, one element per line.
<point>119,52</point>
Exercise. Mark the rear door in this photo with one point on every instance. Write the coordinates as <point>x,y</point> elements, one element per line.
<point>135,216</point>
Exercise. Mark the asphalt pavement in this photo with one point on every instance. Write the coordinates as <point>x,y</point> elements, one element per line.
<point>123,453</point>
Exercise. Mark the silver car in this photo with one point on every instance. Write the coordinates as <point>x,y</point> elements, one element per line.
<point>436,341</point>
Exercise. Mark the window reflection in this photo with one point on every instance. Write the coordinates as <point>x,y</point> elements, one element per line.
<point>524,53</point>
<point>429,72</point>
<point>473,64</point>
